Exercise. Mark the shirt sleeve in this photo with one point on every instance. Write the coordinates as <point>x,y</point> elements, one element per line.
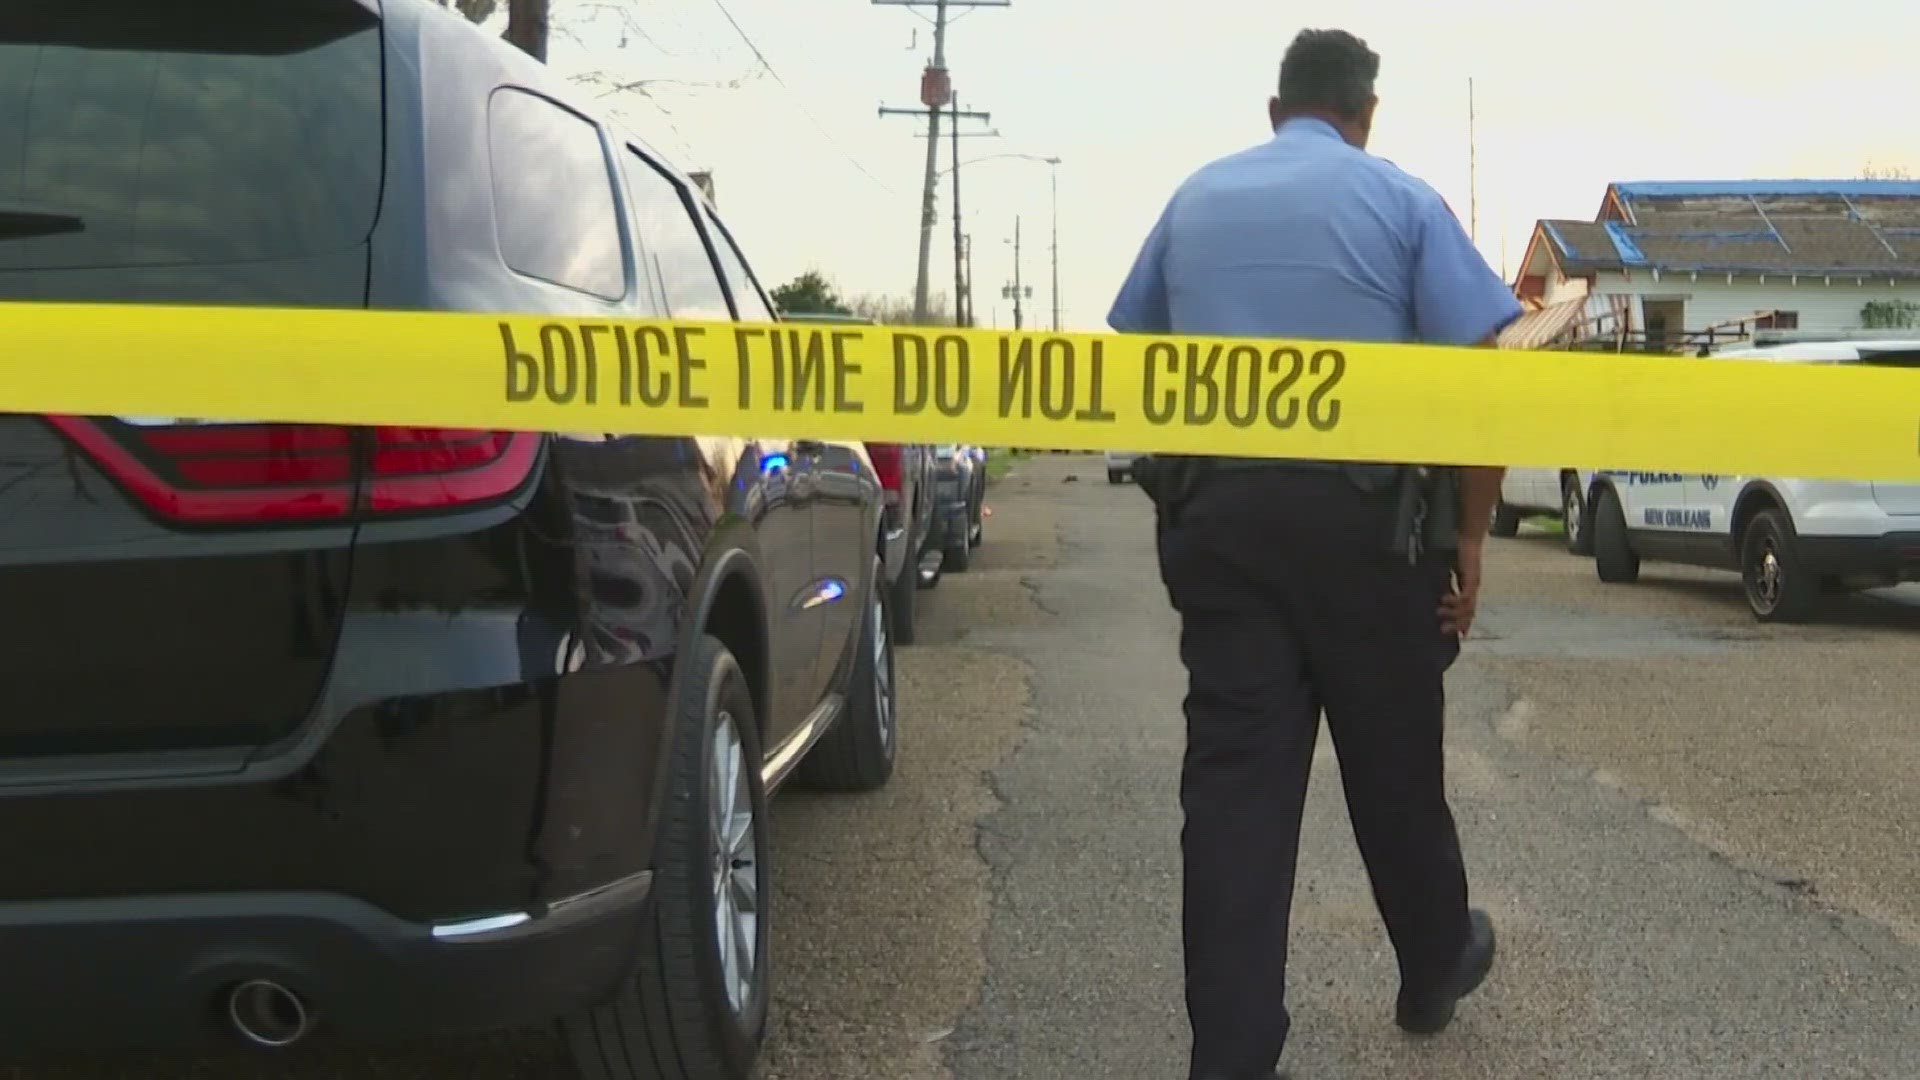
<point>1141,305</point>
<point>1457,298</point>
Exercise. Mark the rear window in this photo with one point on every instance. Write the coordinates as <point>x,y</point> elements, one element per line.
<point>168,132</point>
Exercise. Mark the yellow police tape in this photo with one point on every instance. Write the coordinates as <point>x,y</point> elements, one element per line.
<point>1362,402</point>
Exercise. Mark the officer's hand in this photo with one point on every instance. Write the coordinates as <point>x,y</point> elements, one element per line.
<point>1457,608</point>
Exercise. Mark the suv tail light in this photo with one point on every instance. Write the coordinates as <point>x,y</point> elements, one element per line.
<point>888,467</point>
<point>253,474</point>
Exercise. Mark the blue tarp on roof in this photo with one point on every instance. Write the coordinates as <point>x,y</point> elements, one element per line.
<point>1623,243</point>
<point>1852,189</point>
<point>1560,239</point>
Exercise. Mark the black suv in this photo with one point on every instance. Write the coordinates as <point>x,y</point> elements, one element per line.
<point>394,730</point>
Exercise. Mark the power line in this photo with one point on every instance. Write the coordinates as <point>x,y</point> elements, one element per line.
<point>795,97</point>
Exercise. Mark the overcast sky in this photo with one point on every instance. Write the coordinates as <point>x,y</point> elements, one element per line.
<point>1134,94</point>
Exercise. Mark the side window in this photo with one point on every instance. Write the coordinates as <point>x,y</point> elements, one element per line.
<point>553,201</point>
<point>668,243</point>
<point>746,291</point>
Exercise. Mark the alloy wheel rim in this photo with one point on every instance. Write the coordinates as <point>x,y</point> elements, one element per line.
<point>1570,513</point>
<point>1767,574</point>
<point>735,867</point>
<point>882,677</point>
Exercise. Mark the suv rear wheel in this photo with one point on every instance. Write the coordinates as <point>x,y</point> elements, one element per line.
<point>858,754</point>
<point>1613,557</point>
<point>1778,587</point>
<point>695,1007</point>
<point>903,591</point>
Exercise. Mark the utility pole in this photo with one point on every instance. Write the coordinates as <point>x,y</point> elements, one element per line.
<point>968,244</point>
<point>1017,291</point>
<point>927,213</point>
<point>959,267</point>
<point>936,93</point>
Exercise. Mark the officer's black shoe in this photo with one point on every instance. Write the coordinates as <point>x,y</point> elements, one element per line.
<point>1430,1013</point>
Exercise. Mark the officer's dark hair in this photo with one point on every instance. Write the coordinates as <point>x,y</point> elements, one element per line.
<point>1328,71</point>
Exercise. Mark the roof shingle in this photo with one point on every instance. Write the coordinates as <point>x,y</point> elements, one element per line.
<point>1860,227</point>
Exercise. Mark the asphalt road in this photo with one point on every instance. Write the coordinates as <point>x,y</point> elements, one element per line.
<point>1695,834</point>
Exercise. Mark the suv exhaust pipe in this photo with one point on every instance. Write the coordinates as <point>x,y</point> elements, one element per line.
<point>267,1014</point>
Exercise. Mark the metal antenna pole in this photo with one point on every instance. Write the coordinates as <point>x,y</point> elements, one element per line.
<point>1053,172</point>
<point>1473,172</point>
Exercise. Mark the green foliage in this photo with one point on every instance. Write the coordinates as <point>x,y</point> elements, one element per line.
<point>810,294</point>
<point>1889,314</point>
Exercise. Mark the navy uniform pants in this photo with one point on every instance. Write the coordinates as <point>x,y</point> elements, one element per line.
<point>1290,606</point>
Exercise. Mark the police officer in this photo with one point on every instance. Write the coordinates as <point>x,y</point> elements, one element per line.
<point>1293,597</point>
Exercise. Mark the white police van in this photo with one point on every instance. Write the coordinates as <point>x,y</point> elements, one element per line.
<point>1791,540</point>
<point>1546,493</point>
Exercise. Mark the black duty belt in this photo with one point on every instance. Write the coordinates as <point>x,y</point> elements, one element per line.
<point>1240,464</point>
<point>1370,477</point>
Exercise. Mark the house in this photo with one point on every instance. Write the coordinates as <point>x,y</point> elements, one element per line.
<point>704,181</point>
<point>1682,266</point>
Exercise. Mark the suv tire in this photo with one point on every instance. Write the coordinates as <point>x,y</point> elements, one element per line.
<point>1506,521</point>
<point>902,593</point>
<point>1573,515</point>
<point>680,1015</point>
<point>958,552</point>
<point>1613,557</point>
<point>858,754</point>
<point>1777,584</point>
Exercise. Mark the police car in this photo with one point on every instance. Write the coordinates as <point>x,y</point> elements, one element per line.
<point>1548,493</point>
<point>1791,540</point>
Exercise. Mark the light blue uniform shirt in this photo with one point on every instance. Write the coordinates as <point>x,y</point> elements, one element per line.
<point>1305,236</point>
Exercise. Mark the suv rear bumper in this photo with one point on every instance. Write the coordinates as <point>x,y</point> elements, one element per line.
<point>152,972</point>
<point>1889,553</point>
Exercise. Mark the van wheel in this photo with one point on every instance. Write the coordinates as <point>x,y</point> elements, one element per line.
<point>858,754</point>
<point>903,592</point>
<point>1613,557</point>
<point>1114,475</point>
<point>1778,587</point>
<point>1573,515</point>
<point>695,1007</point>
<point>1506,520</point>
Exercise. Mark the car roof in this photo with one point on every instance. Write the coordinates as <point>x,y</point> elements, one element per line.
<point>1812,352</point>
<point>534,75</point>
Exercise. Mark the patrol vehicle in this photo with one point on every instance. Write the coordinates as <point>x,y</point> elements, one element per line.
<point>1546,493</point>
<point>1791,540</point>
<point>362,733</point>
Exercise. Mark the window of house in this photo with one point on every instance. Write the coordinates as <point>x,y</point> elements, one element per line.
<point>553,195</point>
<point>1778,320</point>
